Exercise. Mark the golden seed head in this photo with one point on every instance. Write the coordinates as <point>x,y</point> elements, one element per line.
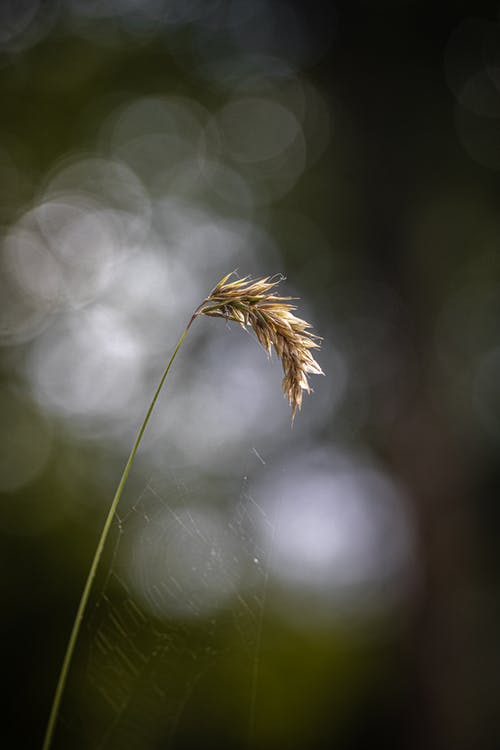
<point>253,303</point>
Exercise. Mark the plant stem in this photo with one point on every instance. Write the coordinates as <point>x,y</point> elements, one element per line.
<point>61,683</point>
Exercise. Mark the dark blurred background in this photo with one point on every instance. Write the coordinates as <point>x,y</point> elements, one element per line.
<point>330,585</point>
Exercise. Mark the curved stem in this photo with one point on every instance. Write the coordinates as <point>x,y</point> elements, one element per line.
<point>61,683</point>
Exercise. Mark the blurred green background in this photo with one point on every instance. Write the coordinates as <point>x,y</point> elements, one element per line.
<point>330,585</point>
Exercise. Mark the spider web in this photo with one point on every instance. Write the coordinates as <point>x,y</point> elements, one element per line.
<point>163,667</point>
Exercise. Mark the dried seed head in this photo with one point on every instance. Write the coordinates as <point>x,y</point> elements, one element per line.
<point>253,303</point>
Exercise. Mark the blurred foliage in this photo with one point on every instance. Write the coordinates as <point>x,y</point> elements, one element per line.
<point>331,586</point>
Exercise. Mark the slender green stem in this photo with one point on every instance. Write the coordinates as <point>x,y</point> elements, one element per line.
<point>61,683</point>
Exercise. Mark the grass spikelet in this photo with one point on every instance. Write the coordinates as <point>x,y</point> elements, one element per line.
<point>254,303</point>
<point>248,303</point>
